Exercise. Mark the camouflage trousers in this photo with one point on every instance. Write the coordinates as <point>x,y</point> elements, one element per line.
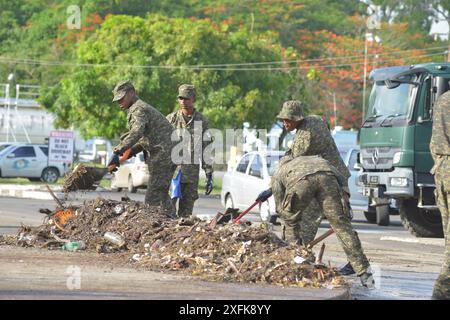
<point>442,285</point>
<point>160,177</point>
<point>324,188</point>
<point>189,193</point>
<point>310,221</point>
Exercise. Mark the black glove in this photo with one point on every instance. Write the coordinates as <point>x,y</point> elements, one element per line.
<point>116,151</point>
<point>263,196</point>
<point>114,162</point>
<point>209,184</point>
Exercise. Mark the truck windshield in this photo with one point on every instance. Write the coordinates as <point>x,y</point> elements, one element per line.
<point>388,102</point>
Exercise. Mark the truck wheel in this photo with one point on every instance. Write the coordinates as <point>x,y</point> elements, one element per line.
<point>131,187</point>
<point>421,222</point>
<point>371,215</point>
<point>382,215</point>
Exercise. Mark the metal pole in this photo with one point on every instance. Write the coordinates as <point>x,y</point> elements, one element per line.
<point>7,111</point>
<point>18,115</point>
<point>365,77</point>
<point>335,110</point>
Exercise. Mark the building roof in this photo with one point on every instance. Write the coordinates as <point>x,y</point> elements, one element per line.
<point>28,103</point>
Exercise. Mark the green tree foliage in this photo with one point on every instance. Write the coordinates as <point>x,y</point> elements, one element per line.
<point>123,43</point>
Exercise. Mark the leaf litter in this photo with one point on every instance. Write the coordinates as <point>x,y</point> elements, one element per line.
<point>148,238</point>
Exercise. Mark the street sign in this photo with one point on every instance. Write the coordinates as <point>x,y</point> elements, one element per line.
<point>60,147</point>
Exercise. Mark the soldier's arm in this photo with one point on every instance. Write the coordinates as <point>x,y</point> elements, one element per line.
<point>440,131</point>
<point>137,128</point>
<point>170,117</point>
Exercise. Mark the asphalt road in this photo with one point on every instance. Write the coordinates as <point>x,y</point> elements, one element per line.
<point>405,266</point>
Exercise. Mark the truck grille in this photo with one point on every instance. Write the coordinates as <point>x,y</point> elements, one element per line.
<point>377,158</point>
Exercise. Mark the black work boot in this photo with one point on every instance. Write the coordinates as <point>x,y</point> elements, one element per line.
<point>347,270</point>
<point>367,280</point>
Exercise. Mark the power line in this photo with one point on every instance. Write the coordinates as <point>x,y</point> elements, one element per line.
<point>207,66</point>
<point>196,68</point>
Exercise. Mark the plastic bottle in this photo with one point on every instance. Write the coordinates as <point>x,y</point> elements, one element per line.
<point>74,245</point>
<point>114,238</point>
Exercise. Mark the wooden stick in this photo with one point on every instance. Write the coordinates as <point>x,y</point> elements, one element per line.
<point>316,241</point>
<point>320,256</point>
<point>54,196</point>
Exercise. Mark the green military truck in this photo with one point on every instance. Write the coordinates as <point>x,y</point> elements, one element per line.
<point>395,157</point>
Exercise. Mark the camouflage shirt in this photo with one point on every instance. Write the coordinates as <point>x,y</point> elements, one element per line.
<point>294,170</point>
<point>314,138</point>
<point>190,167</point>
<point>148,130</point>
<point>440,139</point>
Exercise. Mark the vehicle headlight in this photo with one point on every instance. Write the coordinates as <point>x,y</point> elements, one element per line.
<point>397,157</point>
<point>399,182</point>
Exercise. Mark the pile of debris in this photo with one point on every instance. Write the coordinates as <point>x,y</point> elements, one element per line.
<point>151,239</point>
<point>83,178</point>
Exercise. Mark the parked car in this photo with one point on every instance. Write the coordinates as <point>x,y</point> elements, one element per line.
<point>133,174</point>
<point>357,200</point>
<point>29,161</point>
<point>242,185</point>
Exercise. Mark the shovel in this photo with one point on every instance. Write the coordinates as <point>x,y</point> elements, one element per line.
<point>85,178</point>
<point>238,219</point>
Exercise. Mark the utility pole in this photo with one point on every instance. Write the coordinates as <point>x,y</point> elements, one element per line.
<point>335,109</point>
<point>365,75</point>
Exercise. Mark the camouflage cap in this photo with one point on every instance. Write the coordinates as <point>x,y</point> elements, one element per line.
<point>186,91</point>
<point>292,110</point>
<point>121,89</point>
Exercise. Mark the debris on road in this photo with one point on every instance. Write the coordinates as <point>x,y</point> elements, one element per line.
<point>151,239</point>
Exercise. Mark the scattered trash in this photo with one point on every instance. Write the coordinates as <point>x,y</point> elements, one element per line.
<point>299,260</point>
<point>74,246</point>
<point>114,238</point>
<point>118,209</point>
<point>137,257</point>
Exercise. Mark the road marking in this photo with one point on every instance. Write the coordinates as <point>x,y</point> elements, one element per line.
<point>433,242</point>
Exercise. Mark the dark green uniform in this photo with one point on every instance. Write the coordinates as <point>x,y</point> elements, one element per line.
<point>312,138</point>
<point>311,178</point>
<point>440,150</point>
<point>190,171</point>
<point>149,131</point>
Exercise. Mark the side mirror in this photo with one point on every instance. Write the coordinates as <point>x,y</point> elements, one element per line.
<point>420,119</point>
<point>357,166</point>
<point>11,155</point>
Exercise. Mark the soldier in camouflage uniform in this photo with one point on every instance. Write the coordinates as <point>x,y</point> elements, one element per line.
<point>150,132</point>
<point>186,120</point>
<point>440,150</point>
<point>304,179</point>
<point>312,138</point>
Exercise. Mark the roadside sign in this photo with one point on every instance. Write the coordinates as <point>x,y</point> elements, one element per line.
<point>60,147</point>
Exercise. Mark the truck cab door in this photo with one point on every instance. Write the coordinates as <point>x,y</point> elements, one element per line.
<point>433,87</point>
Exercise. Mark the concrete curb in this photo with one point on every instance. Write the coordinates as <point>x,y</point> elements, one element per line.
<point>39,192</point>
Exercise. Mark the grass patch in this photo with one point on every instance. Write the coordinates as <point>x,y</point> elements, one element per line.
<point>217,186</point>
